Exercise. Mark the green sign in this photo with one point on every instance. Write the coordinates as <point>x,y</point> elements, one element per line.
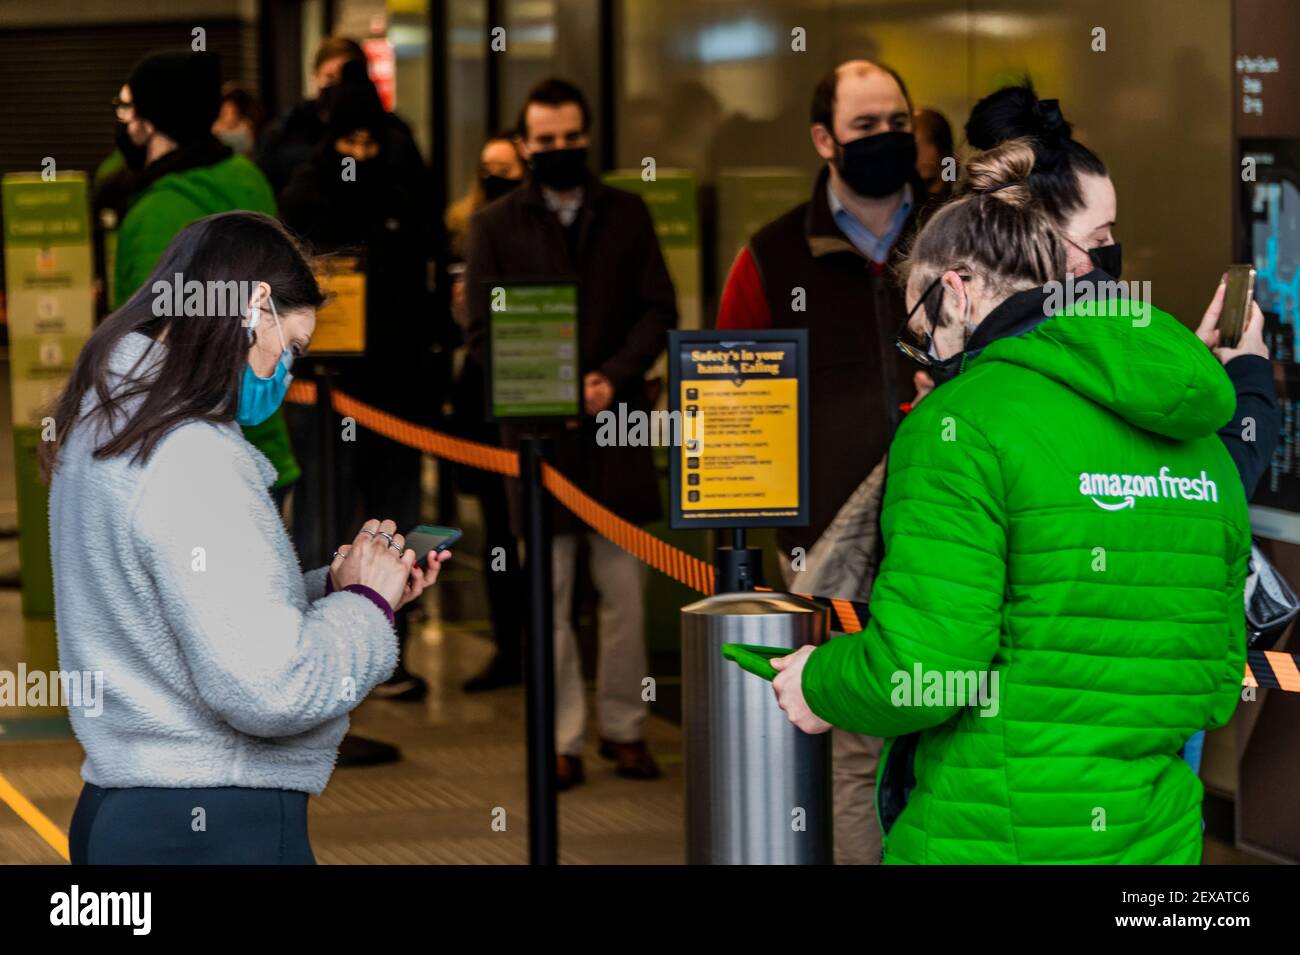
<point>50,300</point>
<point>533,350</point>
<point>49,285</point>
<point>43,212</point>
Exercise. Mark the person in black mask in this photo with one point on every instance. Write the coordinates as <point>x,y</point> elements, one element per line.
<point>500,171</point>
<point>112,188</point>
<point>349,201</point>
<point>1069,179</point>
<point>134,155</point>
<point>1072,183</point>
<point>825,265</point>
<point>1075,188</point>
<point>567,225</point>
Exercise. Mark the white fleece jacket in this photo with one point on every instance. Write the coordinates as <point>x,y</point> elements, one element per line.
<point>223,664</point>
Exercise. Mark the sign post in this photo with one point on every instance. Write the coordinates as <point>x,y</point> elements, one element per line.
<point>539,662</point>
<point>532,378</point>
<point>740,399</point>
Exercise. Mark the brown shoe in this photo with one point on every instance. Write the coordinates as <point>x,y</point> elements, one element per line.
<point>632,760</point>
<point>568,772</point>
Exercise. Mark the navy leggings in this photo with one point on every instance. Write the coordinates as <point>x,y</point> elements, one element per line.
<point>220,826</point>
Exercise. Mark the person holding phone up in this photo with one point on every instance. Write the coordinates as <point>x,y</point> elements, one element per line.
<point>1075,188</point>
<point>227,672</point>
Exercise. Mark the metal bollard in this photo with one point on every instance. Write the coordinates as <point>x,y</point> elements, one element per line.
<point>756,787</point>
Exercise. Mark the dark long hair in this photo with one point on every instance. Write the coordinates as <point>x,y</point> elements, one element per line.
<point>202,361</point>
<point>1016,112</point>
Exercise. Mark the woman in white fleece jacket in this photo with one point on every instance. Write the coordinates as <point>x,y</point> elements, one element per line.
<point>228,672</point>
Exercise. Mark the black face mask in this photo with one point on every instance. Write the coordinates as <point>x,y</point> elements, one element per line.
<point>133,155</point>
<point>1108,259</point>
<point>494,187</point>
<point>561,169</point>
<point>878,165</point>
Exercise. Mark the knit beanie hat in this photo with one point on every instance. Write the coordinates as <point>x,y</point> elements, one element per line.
<point>178,91</point>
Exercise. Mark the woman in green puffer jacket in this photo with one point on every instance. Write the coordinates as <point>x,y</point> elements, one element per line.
<point>1060,603</point>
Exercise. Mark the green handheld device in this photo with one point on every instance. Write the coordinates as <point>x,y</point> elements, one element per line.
<point>755,659</point>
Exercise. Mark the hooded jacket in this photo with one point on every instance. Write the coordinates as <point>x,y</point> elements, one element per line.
<point>197,180</point>
<point>222,663</point>
<point>1059,607</point>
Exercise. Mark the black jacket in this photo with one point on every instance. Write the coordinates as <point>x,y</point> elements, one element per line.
<point>376,218</point>
<point>626,305</point>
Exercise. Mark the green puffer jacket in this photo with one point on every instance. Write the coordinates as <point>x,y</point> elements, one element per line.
<point>1063,519</point>
<point>170,203</point>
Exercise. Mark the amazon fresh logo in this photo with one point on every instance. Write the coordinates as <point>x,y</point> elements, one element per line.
<point>1125,489</point>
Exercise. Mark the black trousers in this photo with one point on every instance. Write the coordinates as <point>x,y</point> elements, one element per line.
<point>222,826</point>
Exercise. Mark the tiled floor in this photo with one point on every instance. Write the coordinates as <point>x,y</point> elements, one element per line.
<point>463,765</point>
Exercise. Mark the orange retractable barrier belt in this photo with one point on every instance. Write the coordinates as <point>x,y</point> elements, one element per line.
<point>1264,668</point>
<point>472,453</point>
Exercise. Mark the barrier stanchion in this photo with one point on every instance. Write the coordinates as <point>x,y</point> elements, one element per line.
<point>757,787</point>
<point>739,567</point>
<point>539,661</point>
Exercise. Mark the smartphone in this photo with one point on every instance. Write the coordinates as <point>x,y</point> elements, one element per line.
<point>1236,304</point>
<point>755,659</point>
<point>426,539</point>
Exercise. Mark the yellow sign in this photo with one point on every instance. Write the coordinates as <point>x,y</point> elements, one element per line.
<point>743,455</point>
<point>341,321</point>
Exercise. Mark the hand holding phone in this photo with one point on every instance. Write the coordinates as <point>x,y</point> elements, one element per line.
<point>1237,300</point>
<point>426,539</point>
<point>430,545</point>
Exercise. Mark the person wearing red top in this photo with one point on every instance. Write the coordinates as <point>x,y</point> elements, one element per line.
<point>826,266</point>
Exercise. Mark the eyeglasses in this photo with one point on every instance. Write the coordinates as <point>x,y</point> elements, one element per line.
<point>920,353</point>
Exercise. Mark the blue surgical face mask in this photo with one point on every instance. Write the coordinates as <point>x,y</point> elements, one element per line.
<point>260,397</point>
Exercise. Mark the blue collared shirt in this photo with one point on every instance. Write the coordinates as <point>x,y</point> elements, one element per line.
<point>875,247</point>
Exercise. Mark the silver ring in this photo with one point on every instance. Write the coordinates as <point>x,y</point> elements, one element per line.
<point>400,550</point>
<point>388,535</point>
<point>334,557</point>
<point>371,533</point>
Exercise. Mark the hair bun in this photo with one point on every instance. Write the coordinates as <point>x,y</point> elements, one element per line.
<point>1050,121</point>
<point>1014,112</point>
<point>1002,171</point>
